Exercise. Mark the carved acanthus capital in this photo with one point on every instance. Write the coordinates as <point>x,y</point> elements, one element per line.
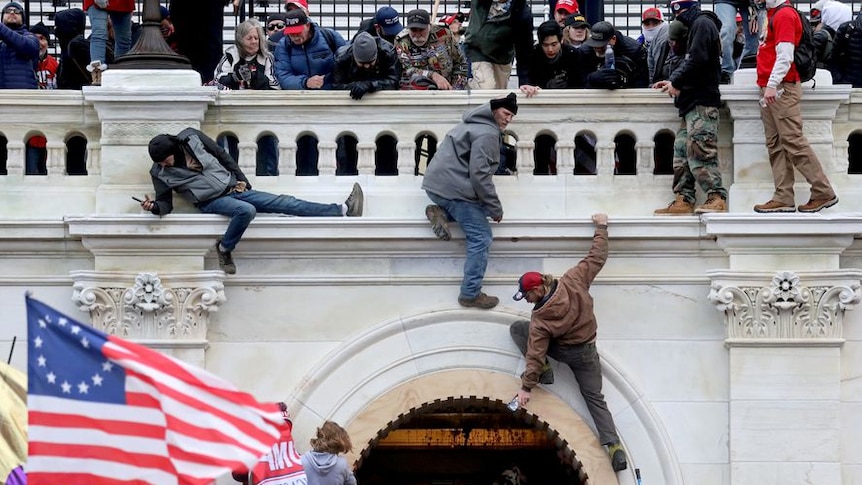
<point>784,310</point>
<point>149,310</point>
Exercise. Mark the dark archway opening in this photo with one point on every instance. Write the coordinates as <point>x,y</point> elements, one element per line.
<point>663,153</point>
<point>467,441</point>
<point>854,152</point>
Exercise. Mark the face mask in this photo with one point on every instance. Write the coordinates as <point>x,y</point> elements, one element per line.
<point>649,34</point>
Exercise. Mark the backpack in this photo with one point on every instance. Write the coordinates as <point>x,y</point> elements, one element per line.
<point>805,53</point>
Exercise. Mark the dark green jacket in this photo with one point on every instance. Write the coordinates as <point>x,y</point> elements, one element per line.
<point>498,40</point>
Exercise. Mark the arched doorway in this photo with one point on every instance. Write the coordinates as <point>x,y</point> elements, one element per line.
<point>467,441</point>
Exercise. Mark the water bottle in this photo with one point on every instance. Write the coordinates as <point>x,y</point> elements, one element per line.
<point>513,404</point>
<point>610,61</point>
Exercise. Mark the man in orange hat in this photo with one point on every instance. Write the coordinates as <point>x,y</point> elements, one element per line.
<point>563,326</point>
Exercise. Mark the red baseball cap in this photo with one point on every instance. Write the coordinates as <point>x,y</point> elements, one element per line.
<point>651,14</point>
<point>528,281</point>
<point>569,6</point>
<point>303,4</point>
<point>295,21</point>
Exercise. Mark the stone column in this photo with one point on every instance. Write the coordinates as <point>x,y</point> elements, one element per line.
<point>134,106</point>
<point>783,298</point>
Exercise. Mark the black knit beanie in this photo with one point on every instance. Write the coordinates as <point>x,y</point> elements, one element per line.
<point>510,102</point>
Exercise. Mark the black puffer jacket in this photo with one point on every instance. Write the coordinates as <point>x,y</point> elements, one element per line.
<point>69,28</point>
<point>563,72</point>
<point>385,74</point>
<point>698,76</point>
<point>846,61</point>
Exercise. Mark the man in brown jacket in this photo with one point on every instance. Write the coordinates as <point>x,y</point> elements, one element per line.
<point>563,326</point>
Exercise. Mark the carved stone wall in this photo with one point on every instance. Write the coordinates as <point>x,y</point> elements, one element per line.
<point>785,309</point>
<point>148,309</point>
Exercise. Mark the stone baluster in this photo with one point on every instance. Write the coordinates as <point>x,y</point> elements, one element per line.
<point>56,163</point>
<point>94,158</point>
<point>525,165</point>
<point>247,157</point>
<point>646,159</point>
<point>406,158</point>
<point>15,157</point>
<point>565,157</point>
<point>365,164</point>
<point>605,159</point>
<point>287,158</point>
<point>326,158</point>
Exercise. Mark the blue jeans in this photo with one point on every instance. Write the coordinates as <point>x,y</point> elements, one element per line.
<point>242,207</point>
<point>473,219</point>
<point>727,14</point>
<point>122,23</point>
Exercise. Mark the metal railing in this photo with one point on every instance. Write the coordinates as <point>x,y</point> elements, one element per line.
<point>345,15</point>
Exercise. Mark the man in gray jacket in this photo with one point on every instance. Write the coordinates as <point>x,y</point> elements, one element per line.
<point>197,168</point>
<point>460,181</point>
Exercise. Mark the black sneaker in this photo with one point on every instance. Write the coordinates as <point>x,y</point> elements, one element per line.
<point>225,260</point>
<point>355,201</point>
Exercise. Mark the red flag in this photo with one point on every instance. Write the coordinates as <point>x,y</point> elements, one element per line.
<point>105,411</point>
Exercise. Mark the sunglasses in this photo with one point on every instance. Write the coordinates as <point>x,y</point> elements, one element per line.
<point>12,11</point>
<point>275,26</point>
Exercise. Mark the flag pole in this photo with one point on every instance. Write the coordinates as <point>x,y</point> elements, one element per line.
<point>9,360</point>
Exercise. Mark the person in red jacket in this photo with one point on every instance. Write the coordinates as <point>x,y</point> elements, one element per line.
<point>46,70</point>
<point>563,326</point>
<point>119,14</point>
<point>781,114</point>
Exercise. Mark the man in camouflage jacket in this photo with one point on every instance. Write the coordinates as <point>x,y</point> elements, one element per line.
<point>429,55</point>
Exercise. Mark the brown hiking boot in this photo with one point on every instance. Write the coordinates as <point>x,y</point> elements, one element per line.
<point>481,300</point>
<point>815,205</point>
<point>773,206</point>
<point>439,222</point>
<point>678,207</point>
<point>714,203</point>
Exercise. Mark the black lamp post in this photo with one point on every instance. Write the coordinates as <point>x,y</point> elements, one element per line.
<point>151,51</point>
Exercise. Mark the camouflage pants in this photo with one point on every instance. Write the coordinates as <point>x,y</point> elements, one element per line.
<point>695,154</point>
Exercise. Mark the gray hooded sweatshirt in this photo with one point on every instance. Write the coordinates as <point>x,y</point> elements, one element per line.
<point>464,165</point>
<point>326,469</point>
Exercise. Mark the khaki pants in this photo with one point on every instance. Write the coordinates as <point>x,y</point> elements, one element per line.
<point>788,148</point>
<point>490,76</point>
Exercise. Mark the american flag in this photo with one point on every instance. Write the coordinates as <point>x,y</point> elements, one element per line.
<point>107,411</point>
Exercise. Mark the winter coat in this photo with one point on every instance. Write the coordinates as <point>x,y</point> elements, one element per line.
<point>563,72</point>
<point>499,35</point>
<point>294,64</point>
<point>220,172</point>
<point>630,61</point>
<point>566,315</point>
<point>383,76</point>
<point>846,61</point>
<point>465,162</point>
<point>698,76</point>
<point>326,469</point>
<point>655,49</point>
<point>234,68</point>
<point>19,56</point>
<point>74,49</point>
<point>120,6</point>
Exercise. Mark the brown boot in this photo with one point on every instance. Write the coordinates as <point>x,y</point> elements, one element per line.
<point>815,205</point>
<point>481,300</point>
<point>439,223</point>
<point>773,206</point>
<point>714,203</point>
<point>678,207</point>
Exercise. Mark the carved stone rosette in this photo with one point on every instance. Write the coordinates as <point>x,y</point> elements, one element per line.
<point>149,310</point>
<point>784,310</point>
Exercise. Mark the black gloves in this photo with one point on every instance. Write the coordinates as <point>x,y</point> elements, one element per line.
<point>605,78</point>
<point>360,89</point>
